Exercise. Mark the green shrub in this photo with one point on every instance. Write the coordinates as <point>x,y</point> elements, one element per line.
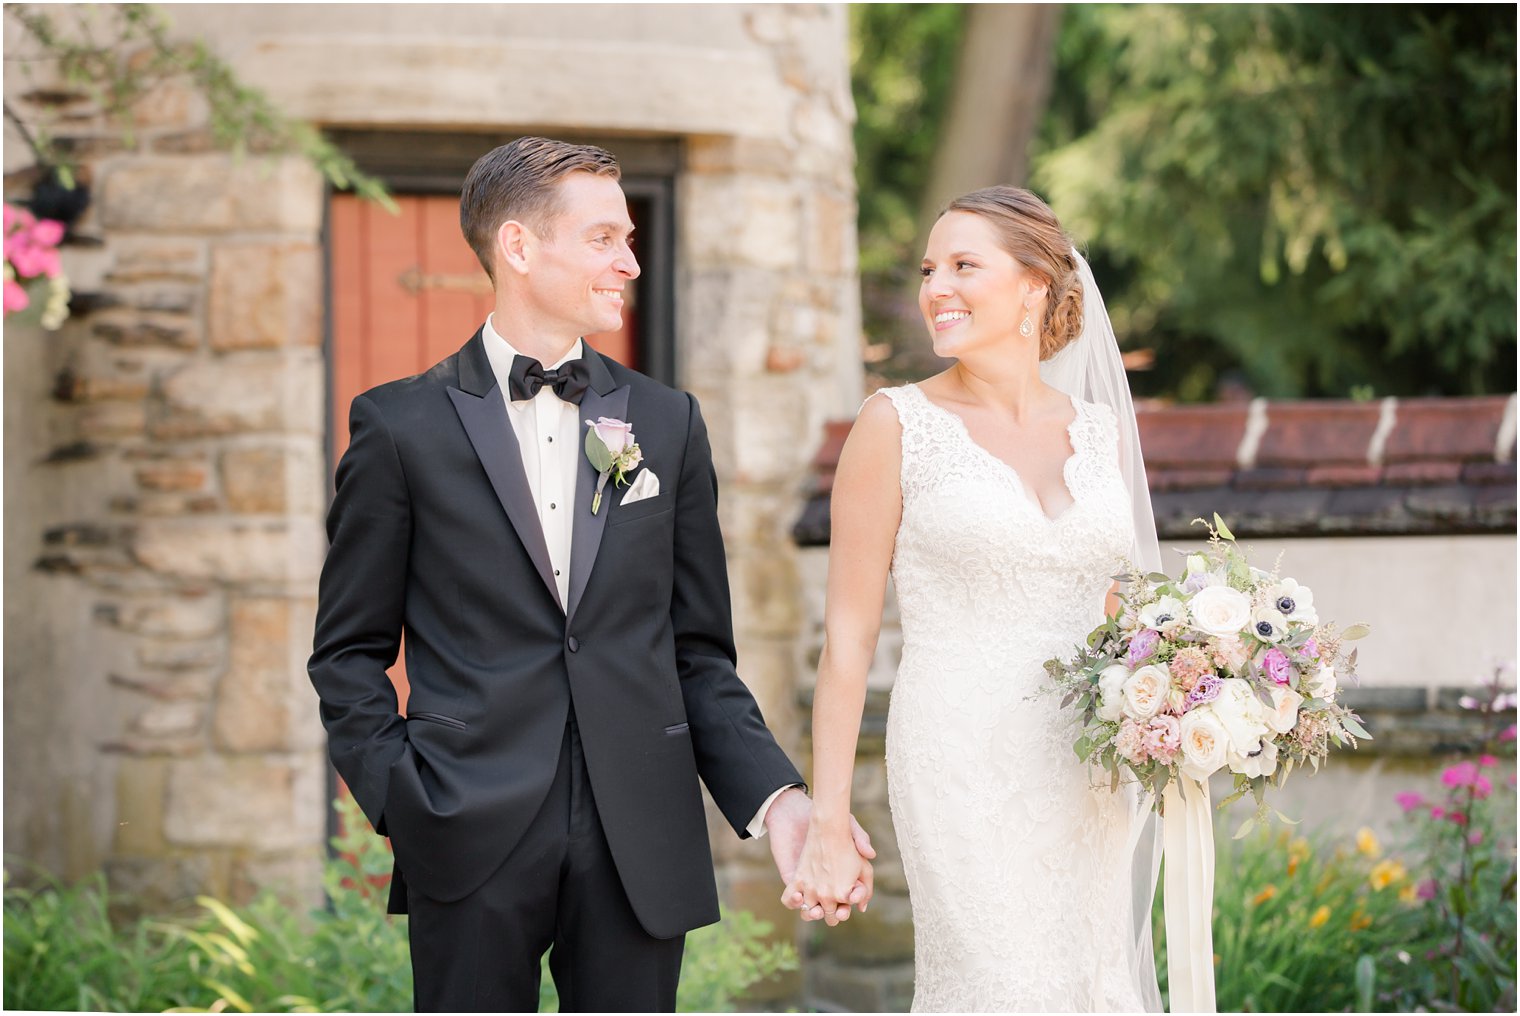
<point>62,951</point>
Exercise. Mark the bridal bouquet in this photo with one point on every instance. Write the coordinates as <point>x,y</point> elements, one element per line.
<point>1227,665</point>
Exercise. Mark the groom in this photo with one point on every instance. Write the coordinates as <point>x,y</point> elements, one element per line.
<point>570,657</point>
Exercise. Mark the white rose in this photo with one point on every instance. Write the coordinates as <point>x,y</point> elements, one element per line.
<point>1204,740</point>
<point>1166,614</point>
<point>1146,691</point>
<point>1111,691</point>
<point>1197,564</point>
<point>1220,610</point>
<point>1268,625</point>
<point>1323,684</point>
<point>1262,763</point>
<point>1295,602</point>
<point>1284,712</point>
<point>1241,713</point>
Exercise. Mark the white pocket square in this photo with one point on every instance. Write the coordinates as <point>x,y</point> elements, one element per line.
<point>646,484</point>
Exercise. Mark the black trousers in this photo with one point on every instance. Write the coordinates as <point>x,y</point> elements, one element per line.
<point>558,891</point>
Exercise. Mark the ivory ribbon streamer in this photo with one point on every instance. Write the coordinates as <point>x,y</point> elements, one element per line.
<point>1188,837</point>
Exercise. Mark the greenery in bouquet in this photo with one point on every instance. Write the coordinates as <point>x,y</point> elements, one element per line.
<point>1227,665</point>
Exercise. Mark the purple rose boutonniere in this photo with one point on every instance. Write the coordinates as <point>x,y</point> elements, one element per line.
<point>612,451</point>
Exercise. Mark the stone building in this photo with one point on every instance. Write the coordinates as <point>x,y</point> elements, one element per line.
<point>168,451</point>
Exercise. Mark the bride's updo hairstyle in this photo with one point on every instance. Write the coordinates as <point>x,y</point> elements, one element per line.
<point>1028,231</point>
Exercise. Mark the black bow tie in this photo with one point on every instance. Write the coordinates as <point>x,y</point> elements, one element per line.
<point>569,380</point>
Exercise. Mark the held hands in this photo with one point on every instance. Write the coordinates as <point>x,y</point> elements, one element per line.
<point>825,873</point>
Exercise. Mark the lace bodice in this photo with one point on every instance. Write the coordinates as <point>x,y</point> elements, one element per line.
<point>1012,853</point>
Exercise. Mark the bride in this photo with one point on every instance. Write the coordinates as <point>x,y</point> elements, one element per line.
<point>1002,495</point>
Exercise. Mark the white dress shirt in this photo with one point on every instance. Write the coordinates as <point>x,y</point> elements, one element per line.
<point>548,432</point>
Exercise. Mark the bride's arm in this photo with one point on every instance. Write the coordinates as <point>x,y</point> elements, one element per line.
<point>865,507</point>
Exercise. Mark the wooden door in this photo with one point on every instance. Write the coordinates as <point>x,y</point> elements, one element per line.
<point>407,292</point>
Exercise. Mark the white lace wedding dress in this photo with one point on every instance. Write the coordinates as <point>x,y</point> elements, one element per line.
<point>1015,855</point>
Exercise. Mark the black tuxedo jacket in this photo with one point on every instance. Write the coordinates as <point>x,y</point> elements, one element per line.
<point>433,533</point>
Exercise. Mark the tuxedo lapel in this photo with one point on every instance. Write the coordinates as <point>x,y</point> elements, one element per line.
<point>601,399</point>
<point>483,411</point>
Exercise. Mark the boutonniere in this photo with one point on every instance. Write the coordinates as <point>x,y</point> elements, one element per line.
<point>612,451</point>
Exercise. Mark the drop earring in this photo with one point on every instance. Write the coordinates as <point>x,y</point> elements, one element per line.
<point>1027,328</point>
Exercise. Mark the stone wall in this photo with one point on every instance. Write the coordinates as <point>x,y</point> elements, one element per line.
<point>165,451</point>
<point>161,569</point>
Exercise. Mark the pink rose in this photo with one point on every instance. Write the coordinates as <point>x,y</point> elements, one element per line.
<point>1409,800</point>
<point>1277,665</point>
<point>1309,650</point>
<point>615,434</point>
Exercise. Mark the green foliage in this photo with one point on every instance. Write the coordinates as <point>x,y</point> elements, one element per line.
<point>902,69</point>
<point>1320,198</point>
<point>1457,950</point>
<point>1293,917</point>
<point>63,952</point>
<point>134,54</point>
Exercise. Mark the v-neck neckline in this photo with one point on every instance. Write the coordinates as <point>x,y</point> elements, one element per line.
<point>1027,493</point>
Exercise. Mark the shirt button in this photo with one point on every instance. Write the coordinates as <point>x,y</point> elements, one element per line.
<point>556,573</point>
<point>553,505</point>
<point>551,440</point>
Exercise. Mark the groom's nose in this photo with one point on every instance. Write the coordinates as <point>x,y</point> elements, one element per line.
<point>625,263</point>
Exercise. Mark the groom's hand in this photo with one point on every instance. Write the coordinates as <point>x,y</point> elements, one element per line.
<point>786,826</point>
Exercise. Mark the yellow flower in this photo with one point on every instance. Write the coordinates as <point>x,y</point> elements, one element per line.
<point>1367,843</point>
<point>1298,852</point>
<point>1320,917</point>
<point>1385,873</point>
<point>1409,894</point>
<point>1263,896</point>
<point>1360,921</point>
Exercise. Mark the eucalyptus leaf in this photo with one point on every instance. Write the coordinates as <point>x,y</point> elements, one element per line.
<point>1222,529</point>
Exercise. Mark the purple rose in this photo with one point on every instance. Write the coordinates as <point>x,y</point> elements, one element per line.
<point>1277,665</point>
<point>1206,690</point>
<point>1142,646</point>
<point>1309,650</point>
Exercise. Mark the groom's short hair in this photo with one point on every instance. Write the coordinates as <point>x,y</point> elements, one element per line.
<point>519,181</point>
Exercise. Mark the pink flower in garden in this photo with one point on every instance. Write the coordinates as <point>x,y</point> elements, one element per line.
<point>1507,734</point>
<point>47,232</point>
<point>1487,760</point>
<point>1465,774</point>
<point>15,296</point>
<point>1438,812</point>
<point>1426,890</point>
<point>1142,646</point>
<point>1456,817</point>
<point>1409,800</point>
<point>1475,837</point>
<point>1277,665</point>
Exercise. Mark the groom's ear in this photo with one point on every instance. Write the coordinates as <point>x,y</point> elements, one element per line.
<point>514,243</point>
